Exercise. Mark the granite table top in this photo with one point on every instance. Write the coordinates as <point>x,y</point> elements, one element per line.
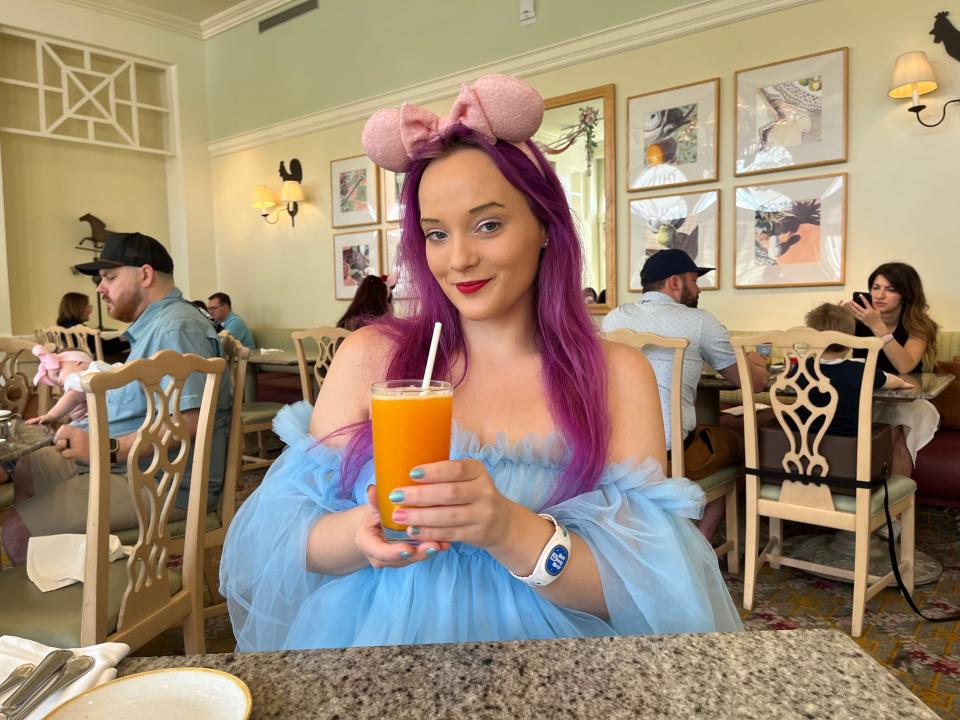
<point>781,675</point>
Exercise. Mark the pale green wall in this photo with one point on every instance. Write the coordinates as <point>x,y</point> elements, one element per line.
<point>902,177</point>
<point>345,51</point>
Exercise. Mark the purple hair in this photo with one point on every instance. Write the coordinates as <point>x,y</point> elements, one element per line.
<point>574,368</point>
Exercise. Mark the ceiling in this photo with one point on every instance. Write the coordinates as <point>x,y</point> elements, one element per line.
<point>193,10</point>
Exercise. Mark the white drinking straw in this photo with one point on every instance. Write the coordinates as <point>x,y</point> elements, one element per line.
<point>434,341</point>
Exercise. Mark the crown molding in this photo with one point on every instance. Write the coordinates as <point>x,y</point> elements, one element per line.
<point>237,15</point>
<point>138,13</point>
<point>687,20</point>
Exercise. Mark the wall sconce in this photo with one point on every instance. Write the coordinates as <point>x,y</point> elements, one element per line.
<point>291,194</point>
<point>913,77</point>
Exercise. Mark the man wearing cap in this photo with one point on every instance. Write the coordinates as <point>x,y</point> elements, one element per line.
<point>51,485</point>
<point>669,308</point>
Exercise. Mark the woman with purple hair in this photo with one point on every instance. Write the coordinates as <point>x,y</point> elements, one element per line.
<point>547,419</point>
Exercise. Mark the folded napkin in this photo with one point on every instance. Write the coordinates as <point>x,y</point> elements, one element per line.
<point>267,351</point>
<point>15,651</point>
<point>55,561</point>
<point>737,410</point>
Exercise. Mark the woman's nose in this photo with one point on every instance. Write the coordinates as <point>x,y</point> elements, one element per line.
<point>462,252</point>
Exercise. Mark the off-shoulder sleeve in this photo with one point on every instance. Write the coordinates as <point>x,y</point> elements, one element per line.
<point>263,572</point>
<point>659,574</point>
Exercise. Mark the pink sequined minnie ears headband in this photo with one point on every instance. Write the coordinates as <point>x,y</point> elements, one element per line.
<point>496,107</point>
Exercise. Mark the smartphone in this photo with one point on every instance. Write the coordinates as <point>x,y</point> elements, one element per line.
<point>858,294</point>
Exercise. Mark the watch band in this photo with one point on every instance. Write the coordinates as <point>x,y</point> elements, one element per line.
<point>553,559</point>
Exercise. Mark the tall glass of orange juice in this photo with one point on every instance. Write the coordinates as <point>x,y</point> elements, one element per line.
<point>411,427</point>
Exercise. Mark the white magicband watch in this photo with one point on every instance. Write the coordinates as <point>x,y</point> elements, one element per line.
<point>553,559</point>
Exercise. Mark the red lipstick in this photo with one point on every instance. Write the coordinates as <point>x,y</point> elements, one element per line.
<point>469,288</point>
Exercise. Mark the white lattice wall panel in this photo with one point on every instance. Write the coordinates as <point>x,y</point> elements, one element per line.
<point>67,91</point>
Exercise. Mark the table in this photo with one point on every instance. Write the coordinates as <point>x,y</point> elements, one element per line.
<point>29,438</point>
<point>927,386</point>
<point>783,675</point>
<point>286,357</point>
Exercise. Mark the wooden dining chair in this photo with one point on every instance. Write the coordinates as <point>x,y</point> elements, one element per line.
<point>132,599</point>
<point>723,482</point>
<point>17,394</point>
<point>218,520</point>
<point>327,340</point>
<point>788,466</point>
<point>78,337</point>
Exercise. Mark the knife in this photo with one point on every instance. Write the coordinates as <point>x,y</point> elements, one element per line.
<point>46,669</point>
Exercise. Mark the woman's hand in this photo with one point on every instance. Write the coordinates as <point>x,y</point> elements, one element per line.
<point>379,553</point>
<point>454,501</point>
<point>862,309</point>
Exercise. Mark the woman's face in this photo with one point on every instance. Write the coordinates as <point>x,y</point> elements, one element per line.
<point>86,312</point>
<point>883,296</point>
<point>483,242</point>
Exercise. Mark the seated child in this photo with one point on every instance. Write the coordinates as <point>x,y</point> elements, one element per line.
<point>844,371</point>
<point>64,369</point>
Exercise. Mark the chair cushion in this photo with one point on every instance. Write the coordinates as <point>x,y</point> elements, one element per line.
<point>720,477</point>
<point>176,529</point>
<point>897,485</point>
<point>6,495</point>
<point>257,412</point>
<point>53,618</point>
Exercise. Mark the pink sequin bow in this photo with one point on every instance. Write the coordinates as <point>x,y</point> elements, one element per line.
<point>497,107</point>
<point>48,365</point>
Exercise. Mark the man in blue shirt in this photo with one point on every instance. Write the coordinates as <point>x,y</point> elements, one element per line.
<point>220,308</point>
<point>52,484</point>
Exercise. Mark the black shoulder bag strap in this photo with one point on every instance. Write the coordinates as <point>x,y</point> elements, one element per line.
<point>872,484</point>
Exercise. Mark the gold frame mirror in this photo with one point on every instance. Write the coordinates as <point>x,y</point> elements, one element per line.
<point>579,140</point>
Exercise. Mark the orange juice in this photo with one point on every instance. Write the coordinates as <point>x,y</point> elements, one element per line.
<point>411,427</point>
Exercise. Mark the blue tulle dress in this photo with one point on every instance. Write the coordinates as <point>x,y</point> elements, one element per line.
<point>659,574</point>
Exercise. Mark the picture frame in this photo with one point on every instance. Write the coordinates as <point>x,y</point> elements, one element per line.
<point>792,113</point>
<point>392,184</point>
<point>354,192</point>
<point>391,244</point>
<point>355,255</point>
<point>687,221</point>
<point>791,233</point>
<point>672,136</point>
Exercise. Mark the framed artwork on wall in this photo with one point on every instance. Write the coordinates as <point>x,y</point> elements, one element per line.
<point>392,184</point>
<point>791,233</point>
<point>392,265</point>
<point>355,255</point>
<point>672,136</point>
<point>354,192</point>
<point>686,221</point>
<point>792,114</point>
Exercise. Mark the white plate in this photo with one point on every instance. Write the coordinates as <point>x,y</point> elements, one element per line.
<point>173,694</point>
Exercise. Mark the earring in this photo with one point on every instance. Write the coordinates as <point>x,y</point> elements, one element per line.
<point>545,243</point>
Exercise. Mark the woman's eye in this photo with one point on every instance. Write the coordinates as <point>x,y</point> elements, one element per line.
<point>435,235</point>
<point>488,226</point>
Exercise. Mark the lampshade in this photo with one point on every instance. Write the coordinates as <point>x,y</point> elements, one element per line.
<point>911,72</point>
<point>291,192</point>
<point>262,198</point>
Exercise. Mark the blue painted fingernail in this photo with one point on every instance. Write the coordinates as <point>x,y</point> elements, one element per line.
<point>414,530</point>
<point>404,554</point>
<point>397,496</point>
<point>431,551</point>
<point>416,473</point>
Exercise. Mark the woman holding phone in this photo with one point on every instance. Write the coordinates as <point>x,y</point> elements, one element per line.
<point>896,310</point>
<point>556,434</point>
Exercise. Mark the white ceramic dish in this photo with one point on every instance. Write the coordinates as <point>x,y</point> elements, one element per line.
<point>173,694</point>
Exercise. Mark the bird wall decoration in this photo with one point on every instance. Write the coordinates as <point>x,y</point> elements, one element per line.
<point>944,32</point>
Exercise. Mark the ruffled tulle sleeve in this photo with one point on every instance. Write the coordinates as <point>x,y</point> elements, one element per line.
<point>659,574</point>
<point>263,569</point>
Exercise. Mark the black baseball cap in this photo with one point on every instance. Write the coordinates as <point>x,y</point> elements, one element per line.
<point>666,263</point>
<point>129,249</point>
